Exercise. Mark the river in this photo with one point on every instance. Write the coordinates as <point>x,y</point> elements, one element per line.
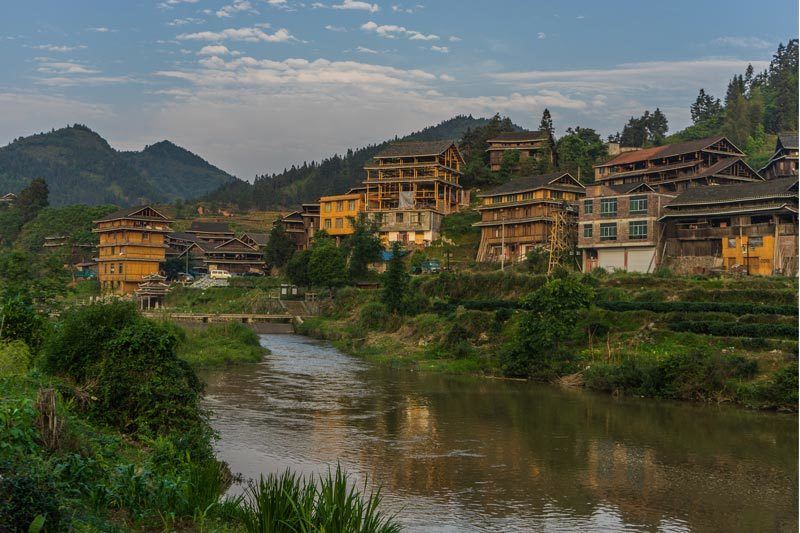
<point>456,453</point>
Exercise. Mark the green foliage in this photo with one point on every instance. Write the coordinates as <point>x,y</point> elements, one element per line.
<point>280,246</point>
<point>473,146</point>
<point>578,151</point>
<point>73,222</point>
<point>25,500</point>
<point>32,199</point>
<point>374,316</point>
<point>290,503</point>
<point>297,268</point>
<point>736,329</point>
<point>698,307</point>
<point>41,278</point>
<point>326,265</point>
<point>362,247</point>
<point>395,282</point>
<point>220,344</point>
<point>19,321</point>
<point>15,357</point>
<point>649,129</point>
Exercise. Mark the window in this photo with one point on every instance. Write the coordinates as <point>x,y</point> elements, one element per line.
<point>755,242</point>
<point>639,204</point>
<point>556,194</point>
<point>339,205</point>
<point>608,207</point>
<point>637,230</point>
<point>588,207</point>
<point>351,205</point>
<point>112,268</point>
<point>327,223</point>
<point>398,218</point>
<point>145,236</point>
<point>413,218</point>
<point>527,195</point>
<point>731,242</point>
<point>587,230</point>
<point>120,268</point>
<point>339,223</point>
<point>608,232</point>
<point>328,207</point>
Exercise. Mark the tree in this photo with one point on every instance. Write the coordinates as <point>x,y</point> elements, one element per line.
<point>547,155</point>
<point>706,109</point>
<point>508,164</point>
<point>657,127</point>
<point>297,268</point>
<point>781,110</point>
<point>326,265</point>
<point>650,128</point>
<point>363,246</point>
<point>33,199</point>
<point>280,246</point>
<point>395,281</point>
<point>579,150</point>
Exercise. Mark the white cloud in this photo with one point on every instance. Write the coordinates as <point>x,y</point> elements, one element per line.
<point>100,29</point>
<point>64,67</point>
<point>446,77</point>
<point>184,21</point>
<point>330,27</point>
<point>169,4</point>
<point>401,9</point>
<point>240,34</point>
<point>541,35</point>
<point>58,48</point>
<point>391,31</point>
<point>214,50</point>
<point>276,2</point>
<point>454,39</point>
<point>357,5</point>
<point>742,42</point>
<point>238,6</point>
<point>442,49</point>
<point>580,17</point>
<point>365,50</point>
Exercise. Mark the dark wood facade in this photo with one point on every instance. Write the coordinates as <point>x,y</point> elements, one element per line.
<point>529,144</point>
<point>783,163</point>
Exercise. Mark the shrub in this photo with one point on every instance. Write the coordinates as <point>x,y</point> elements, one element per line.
<point>14,358</point>
<point>374,316</point>
<point>24,497</point>
<point>698,307</point>
<point>781,389</point>
<point>735,329</point>
<point>19,321</point>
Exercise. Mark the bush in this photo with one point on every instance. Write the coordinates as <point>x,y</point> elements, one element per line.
<point>374,316</point>
<point>781,389</point>
<point>19,321</point>
<point>218,344</point>
<point>24,497</point>
<point>735,329</point>
<point>14,358</point>
<point>699,307</point>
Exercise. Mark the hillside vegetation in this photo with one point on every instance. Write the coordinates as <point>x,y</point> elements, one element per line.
<point>80,166</point>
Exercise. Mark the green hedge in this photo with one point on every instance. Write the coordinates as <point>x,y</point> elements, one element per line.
<point>736,329</point>
<point>700,307</point>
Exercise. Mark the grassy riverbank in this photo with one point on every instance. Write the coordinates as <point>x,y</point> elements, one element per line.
<point>101,429</point>
<point>215,345</point>
<point>692,338</point>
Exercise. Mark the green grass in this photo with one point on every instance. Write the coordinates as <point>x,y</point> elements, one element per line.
<point>220,344</point>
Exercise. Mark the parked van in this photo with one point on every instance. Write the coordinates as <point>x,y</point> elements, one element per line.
<point>219,274</point>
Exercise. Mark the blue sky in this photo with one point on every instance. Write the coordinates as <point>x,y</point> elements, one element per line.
<point>254,86</point>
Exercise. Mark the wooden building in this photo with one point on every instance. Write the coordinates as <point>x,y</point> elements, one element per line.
<point>311,220</point>
<point>256,240</point>
<point>211,232</point>
<point>295,227</point>
<point>131,247</point>
<point>236,257</point>
<point>748,227</point>
<point>8,198</point>
<point>411,186</point>
<point>527,143</point>
<point>518,216</point>
<point>337,211</point>
<point>619,227</point>
<point>676,167</point>
<point>783,163</point>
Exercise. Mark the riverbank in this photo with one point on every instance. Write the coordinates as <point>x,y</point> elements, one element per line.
<point>690,338</point>
<point>214,345</point>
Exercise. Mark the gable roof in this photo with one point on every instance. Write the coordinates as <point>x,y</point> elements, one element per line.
<point>756,190</point>
<point>627,188</point>
<point>668,150</point>
<point>529,183</point>
<point>234,245</point>
<point>787,140</point>
<point>415,148</point>
<point>133,213</point>
<point>260,239</point>
<point>210,227</point>
<point>519,136</point>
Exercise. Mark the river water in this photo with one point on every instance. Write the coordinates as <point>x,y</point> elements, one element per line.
<point>455,453</point>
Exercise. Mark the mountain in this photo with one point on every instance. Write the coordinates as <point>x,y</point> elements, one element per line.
<point>332,175</point>
<point>80,166</point>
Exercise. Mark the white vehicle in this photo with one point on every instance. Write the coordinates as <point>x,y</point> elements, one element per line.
<point>219,274</point>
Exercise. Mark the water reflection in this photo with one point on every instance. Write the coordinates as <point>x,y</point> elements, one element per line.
<point>459,453</point>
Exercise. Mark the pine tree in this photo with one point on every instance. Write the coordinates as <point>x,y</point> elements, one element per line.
<point>280,246</point>
<point>395,281</point>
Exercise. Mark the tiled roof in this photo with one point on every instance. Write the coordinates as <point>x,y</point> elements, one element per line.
<point>234,245</point>
<point>518,136</point>
<point>777,188</point>
<point>788,140</point>
<point>658,152</point>
<point>131,212</point>
<point>210,227</point>
<point>625,188</point>
<point>259,238</point>
<point>415,148</point>
<point>528,183</point>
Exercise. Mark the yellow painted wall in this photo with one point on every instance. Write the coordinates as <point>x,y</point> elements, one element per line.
<point>760,258</point>
<point>338,207</point>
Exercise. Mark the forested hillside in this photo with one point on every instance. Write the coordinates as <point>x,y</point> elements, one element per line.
<point>306,183</point>
<point>80,166</point>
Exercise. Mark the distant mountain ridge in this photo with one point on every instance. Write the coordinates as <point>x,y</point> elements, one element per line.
<point>80,166</point>
<point>335,174</point>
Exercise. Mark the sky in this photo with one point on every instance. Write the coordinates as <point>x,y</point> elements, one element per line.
<point>255,86</point>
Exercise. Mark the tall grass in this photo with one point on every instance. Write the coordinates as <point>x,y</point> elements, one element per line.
<point>289,503</point>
